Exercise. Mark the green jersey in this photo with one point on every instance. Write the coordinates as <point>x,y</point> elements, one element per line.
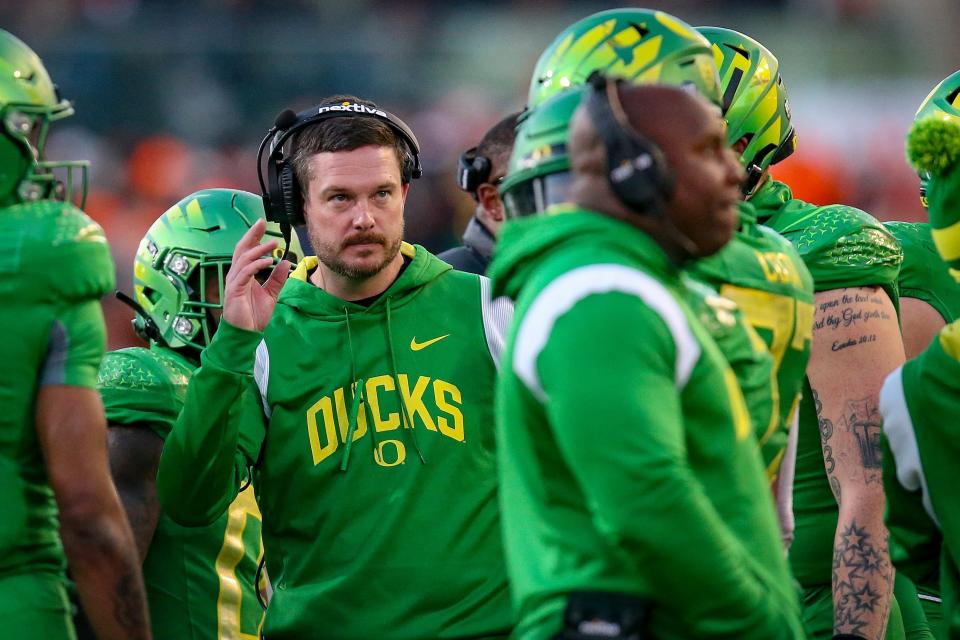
<point>749,359</point>
<point>919,403</point>
<point>842,247</point>
<point>200,581</point>
<point>761,271</point>
<point>924,275</point>
<point>613,402</point>
<point>370,430</point>
<point>54,267</point>
<point>915,541</point>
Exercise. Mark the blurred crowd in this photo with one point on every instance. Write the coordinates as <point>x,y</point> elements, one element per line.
<point>175,96</point>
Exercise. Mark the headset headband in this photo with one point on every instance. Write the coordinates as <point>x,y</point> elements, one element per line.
<point>281,193</point>
<point>347,109</point>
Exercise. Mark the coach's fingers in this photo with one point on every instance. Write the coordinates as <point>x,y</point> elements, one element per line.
<point>277,277</point>
<point>255,252</point>
<point>250,239</point>
<point>246,274</point>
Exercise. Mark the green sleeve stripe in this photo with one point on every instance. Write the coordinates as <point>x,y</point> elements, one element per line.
<point>55,364</point>
<point>562,294</point>
<point>898,427</point>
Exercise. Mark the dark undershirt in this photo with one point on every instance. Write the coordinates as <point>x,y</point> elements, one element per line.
<point>366,302</point>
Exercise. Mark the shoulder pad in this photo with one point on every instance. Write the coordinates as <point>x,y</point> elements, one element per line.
<point>143,386</point>
<point>69,246</point>
<point>136,368</point>
<point>845,247</point>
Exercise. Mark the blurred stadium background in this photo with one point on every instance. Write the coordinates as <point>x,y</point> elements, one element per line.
<point>175,95</point>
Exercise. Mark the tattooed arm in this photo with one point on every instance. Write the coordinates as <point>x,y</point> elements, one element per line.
<point>856,343</point>
<point>134,456</point>
<point>95,533</point>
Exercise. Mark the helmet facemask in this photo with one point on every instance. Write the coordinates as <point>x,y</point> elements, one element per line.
<point>26,128</point>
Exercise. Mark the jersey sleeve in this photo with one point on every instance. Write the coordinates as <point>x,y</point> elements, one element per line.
<point>77,263</point>
<point>75,346</point>
<point>845,247</point>
<point>217,437</point>
<point>135,391</point>
<point>923,274</point>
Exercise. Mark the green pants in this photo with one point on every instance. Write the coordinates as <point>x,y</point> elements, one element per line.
<point>933,612</point>
<point>818,615</point>
<point>915,623</point>
<point>35,605</point>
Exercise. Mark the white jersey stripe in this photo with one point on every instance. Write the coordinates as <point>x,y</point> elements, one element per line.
<point>563,293</point>
<point>898,426</point>
<point>261,374</point>
<point>497,315</point>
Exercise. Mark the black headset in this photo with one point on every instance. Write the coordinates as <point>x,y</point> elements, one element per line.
<point>637,170</point>
<point>473,170</point>
<point>282,201</point>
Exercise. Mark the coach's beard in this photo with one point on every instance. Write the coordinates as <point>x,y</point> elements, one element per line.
<point>330,257</point>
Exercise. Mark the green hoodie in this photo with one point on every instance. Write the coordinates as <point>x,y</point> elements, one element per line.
<point>379,516</point>
<point>920,402</point>
<point>626,459</point>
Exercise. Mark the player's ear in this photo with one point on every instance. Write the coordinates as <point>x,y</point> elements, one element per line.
<point>489,198</point>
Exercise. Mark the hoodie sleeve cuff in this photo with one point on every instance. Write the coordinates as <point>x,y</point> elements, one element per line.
<point>232,349</point>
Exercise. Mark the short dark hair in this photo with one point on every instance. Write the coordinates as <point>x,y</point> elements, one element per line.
<point>497,143</point>
<point>343,134</point>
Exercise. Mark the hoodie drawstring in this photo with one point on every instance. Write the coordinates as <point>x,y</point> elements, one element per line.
<point>404,409</point>
<point>358,398</point>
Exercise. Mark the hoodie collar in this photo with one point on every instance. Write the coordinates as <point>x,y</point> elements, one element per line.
<point>525,242</point>
<point>478,237</point>
<point>299,293</point>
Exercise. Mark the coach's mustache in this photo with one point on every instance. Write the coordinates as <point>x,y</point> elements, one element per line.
<point>365,238</point>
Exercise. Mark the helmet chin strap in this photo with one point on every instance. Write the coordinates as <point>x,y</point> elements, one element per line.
<point>149,329</point>
<point>754,173</point>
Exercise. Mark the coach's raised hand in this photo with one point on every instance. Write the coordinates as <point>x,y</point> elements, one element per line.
<point>246,303</point>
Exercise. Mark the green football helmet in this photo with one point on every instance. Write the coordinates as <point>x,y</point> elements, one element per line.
<point>186,252</point>
<point>638,45</point>
<point>538,175</point>
<point>942,103</point>
<point>755,102</point>
<point>29,102</point>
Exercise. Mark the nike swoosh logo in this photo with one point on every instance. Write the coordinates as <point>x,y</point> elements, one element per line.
<point>417,346</point>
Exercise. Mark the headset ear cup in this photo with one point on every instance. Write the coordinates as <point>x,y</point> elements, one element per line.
<point>649,182</point>
<point>637,170</point>
<point>290,193</point>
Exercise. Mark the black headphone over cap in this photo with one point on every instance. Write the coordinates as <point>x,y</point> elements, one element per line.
<point>637,170</point>
<point>282,201</point>
<point>473,170</point>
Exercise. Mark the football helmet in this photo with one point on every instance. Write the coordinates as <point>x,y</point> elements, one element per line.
<point>178,274</point>
<point>638,45</point>
<point>29,102</point>
<point>943,103</point>
<point>755,102</point>
<point>538,175</point>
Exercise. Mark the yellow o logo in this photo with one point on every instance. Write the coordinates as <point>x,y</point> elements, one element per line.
<point>399,455</point>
